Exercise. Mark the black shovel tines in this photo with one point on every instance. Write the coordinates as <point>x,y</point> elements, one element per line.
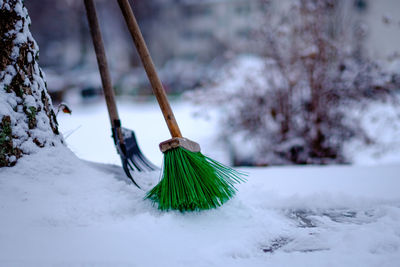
<point>131,156</point>
<point>125,141</point>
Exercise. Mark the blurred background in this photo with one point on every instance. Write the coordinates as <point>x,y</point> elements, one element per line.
<point>188,40</point>
<point>291,81</point>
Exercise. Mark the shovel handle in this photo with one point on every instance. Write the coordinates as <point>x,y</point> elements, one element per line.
<point>148,65</point>
<point>103,67</point>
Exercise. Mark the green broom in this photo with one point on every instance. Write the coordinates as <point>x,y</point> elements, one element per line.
<point>190,180</point>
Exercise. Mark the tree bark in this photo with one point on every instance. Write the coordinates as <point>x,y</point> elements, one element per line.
<point>27,118</point>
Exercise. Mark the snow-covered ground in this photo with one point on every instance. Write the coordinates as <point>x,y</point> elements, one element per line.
<point>59,210</point>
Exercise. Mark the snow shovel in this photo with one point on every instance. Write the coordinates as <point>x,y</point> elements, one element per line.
<point>124,139</point>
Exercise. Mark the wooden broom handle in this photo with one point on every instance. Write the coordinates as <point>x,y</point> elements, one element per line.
<point>103,67</point>
<point>148,64</point>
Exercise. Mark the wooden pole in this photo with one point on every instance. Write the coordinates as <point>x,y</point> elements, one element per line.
<point>103,67</point>
<point>148,65</point>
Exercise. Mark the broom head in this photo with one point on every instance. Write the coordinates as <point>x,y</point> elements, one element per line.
<point>192,181</point>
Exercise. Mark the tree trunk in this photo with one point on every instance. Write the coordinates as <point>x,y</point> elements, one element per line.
<point>27,118</point>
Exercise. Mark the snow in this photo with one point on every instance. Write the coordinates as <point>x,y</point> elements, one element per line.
<point>29,57</point>
<point>30,101</point>
<point>88,130</point>
<point>383,124</point>
<point>59,210</point>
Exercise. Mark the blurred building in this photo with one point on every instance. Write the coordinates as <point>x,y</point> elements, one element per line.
<point>188,29</point>
<point>185,37</point>
<point>203,30</point>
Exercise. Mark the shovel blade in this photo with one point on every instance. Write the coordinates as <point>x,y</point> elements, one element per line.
<point>132,157</point>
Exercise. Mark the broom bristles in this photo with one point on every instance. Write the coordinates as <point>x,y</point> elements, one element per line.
<point>192,181</point>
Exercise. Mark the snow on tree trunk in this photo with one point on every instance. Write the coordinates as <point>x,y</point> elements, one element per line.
<point>27,118</point>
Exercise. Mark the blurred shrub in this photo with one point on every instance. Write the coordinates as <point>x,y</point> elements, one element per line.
<point>294,104</point>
